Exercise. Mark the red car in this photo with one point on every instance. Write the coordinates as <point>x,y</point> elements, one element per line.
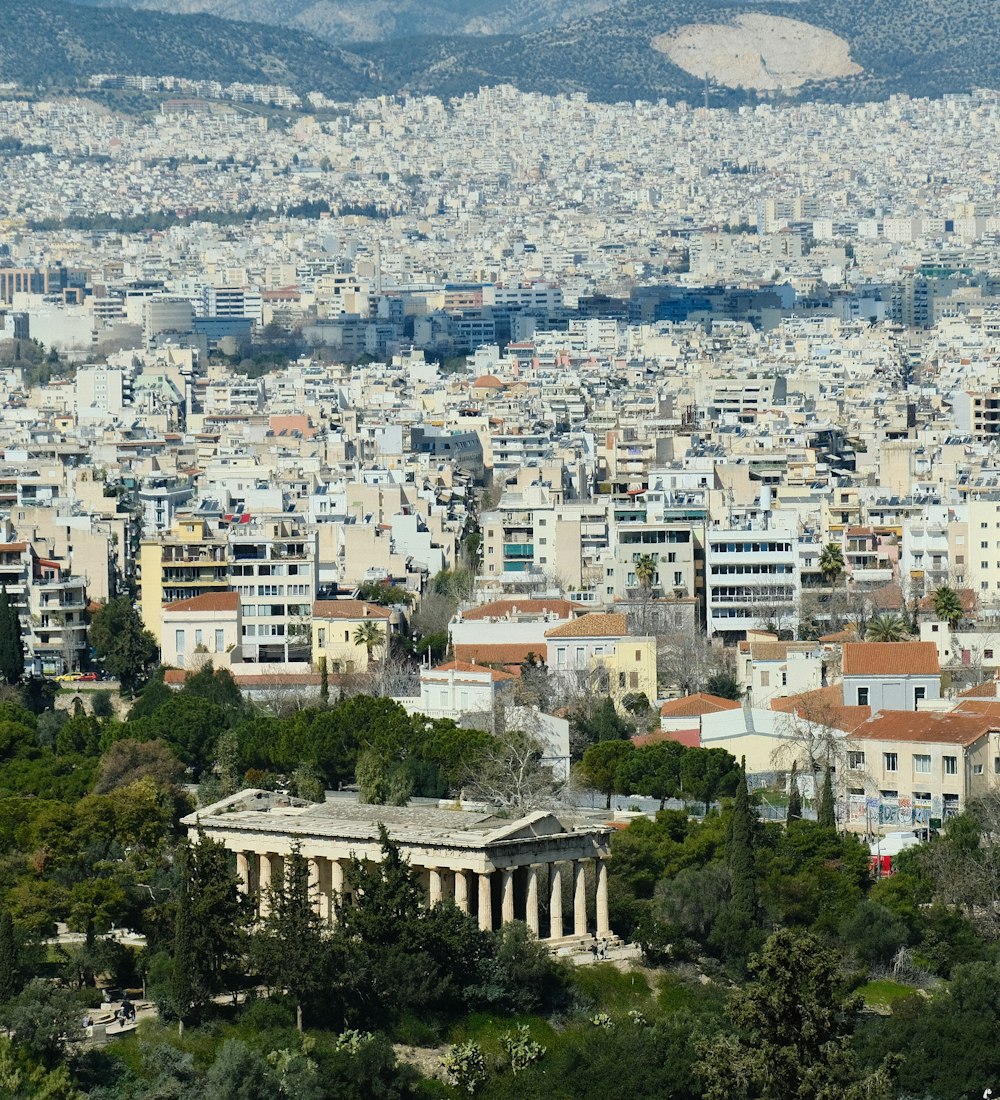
<point>88,677</point>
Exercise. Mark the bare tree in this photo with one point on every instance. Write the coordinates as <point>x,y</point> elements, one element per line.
<point>686,663</point>
<point>811,738</point>
<point>510,774</point>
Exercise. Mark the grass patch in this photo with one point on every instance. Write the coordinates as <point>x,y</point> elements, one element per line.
<point>677,994</point>
<point>611,990</point>
<point>884,993</point>
<point>488,1031</point>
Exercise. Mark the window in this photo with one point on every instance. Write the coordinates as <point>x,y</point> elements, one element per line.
<point>198,634</point>
<point>855,760</point>
<point>784,679</point>
<point>863,697</point>
<point>179,641</point>
<point>638,656</point>
<point>950,765</point>
<point>220,641</point>
<point>890,761</point>
<point>977,769</point>
<point>765,679</point>
<point>921,763</point>
<point>988,654</point>
<point>889,794</point>
<point>321,637</point>
<point>919,694</point>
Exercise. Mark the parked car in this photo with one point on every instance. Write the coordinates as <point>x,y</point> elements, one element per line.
<point>88,677</point>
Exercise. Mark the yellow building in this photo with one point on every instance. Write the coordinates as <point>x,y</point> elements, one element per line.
<point>188,560</point>
<point>600,643</point>
<point>335,624</point>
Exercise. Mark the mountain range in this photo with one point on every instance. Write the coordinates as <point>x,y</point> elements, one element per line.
<point>636,49</point>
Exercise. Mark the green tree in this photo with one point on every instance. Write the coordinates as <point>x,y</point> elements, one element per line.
<point>290,947</point>
<point>724,685</point>
<point>10,971</point>
<point>794,795</point>
<point>41,1019</point>
<point>793,1039</point>
<point>654,770</point>
<point>606,724</point>
<point>370,636</point>
<point>604,765</point>
<point>122,643</point>
<point>736,929</point>
<point>186,990</point>
<point>886,627</point>
<point>827,813</point>
<point>645,569</point>
<point>11,646</point>
<point>831,562</point>
<point>947,605</point>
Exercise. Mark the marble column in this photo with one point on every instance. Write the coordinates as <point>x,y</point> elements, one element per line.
<point>434,891</point>
<point>555,901</point>
<point>244,865</point>
<point>336,887</point>
<point>603,922</point>
<point>531,900</point>
<point>507,909</point>
<point>579,898</point>
<point>485,902</point>
<point>315,874</point>
<point>462,891</point>
<point>270,879</point>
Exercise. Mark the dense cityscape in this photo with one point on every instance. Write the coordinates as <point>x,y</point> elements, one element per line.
<point>499,595</point>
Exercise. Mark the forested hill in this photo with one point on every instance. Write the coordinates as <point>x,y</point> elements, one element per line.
<point>921,49</point>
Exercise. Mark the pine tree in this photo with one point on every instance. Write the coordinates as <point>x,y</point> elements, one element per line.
<point>794,795</point>
<point>324,683</point>
<point>9,974</point>
<point>827,816</point>
<point>11,649</point>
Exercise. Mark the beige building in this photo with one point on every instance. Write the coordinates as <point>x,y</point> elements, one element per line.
<point>334,626</point>
<point>600,643</point>
<point>539,869</point>
<point>203,628</point>
<point>915,768</point>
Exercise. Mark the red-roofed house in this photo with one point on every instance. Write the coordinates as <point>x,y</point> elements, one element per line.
<point>335,625</point>
<point>598,641</point>
<point>202,628</point>
<point>923,765</point>
<point>684,715</point>
<point>890,675</point>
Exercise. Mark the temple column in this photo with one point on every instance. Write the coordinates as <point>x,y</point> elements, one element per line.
<point>579,898</point>
<point>434,892</point>
<point>462,891</point>
<point>485,902</point>
<point>531,900</point>
<point>507,907</point>
<point>315,873</point>
<point>603,921</point>
<point>244,871</point>
<point>270,879</point>
<point>555,901</point>
<point>336,887</point>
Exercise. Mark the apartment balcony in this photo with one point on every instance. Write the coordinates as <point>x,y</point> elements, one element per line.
<point>872,576</point>
<point>518,551</point>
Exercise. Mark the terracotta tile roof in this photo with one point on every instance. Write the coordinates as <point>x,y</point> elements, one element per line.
<point>985,690</point>
<point>507,653</point>
<point>887,598</point>
<point>986,707</point>
<point>209,602</point>
<point>927,727</point>
<point>848,634</point>
<point>502,609</point>
<point>824,706</point>
<point>690,706</point>
<point>966,596</point>
<point>349,609</point>
<point>488,381</point>
<point>689,738</point>
<point>891,659</point>
<point>595,624</point>
<point>778,651</point>
<point>469,666</point>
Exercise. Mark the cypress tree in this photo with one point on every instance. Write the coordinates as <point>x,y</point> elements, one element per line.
<point>184,964</point>
<point>794,795</point>
<point>741,857</point>
<point>827,816</point>
<point>9,974</point>
<point>11,649</point>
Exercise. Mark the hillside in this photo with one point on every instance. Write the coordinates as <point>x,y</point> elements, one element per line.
<point>379,20</point>
<point>842,51</point>
<point>56,46</point>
